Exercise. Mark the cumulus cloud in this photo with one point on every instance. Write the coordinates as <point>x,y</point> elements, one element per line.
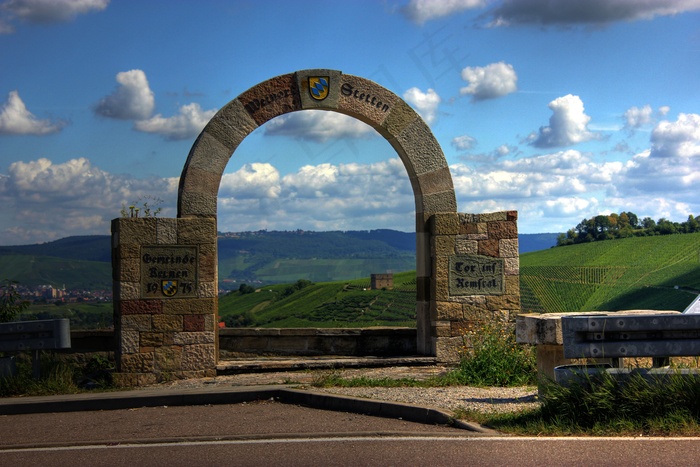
<point>425,103</point>
<point>15,119</point>
<point>132,100</point>
<point>420,11</point>
<point>41,200</point>
<point>568,124</point>
<point>489,82</point>
<point>463,143</point>
<point>318,126</point>
<point>679,139</point>
<point>45,11</point>
<point>257,180</point>
<point>590,12</point>
<point>636,117</point>
<point>189,122</point>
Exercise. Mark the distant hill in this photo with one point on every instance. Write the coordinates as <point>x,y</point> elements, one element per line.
<point>254,257</point>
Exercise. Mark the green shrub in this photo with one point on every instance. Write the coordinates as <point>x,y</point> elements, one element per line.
<point>491,357</point>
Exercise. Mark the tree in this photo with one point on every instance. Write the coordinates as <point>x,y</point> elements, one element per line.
<point>246,289</point>
<point>11,304</point>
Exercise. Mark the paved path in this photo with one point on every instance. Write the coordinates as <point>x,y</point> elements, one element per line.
<point>270,433</point>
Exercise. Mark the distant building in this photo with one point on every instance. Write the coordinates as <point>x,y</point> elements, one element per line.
<point>382,281</point>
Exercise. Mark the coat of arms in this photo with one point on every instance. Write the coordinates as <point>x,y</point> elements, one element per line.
<point>318,87</point>
<point>169,288</point>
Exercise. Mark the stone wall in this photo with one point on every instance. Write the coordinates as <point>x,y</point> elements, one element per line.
<point>164,334</point>
<point>475,237</point>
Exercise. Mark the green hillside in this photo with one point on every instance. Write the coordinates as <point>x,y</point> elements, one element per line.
<point>326,304</point>
<point>661,273</point>
<point>30,270</point>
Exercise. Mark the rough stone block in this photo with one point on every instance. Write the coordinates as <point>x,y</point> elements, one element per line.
<point>193,323</point>
<point>167,323</point>
<point>207,262</point>
<point>271,98</point>
<point>489,248</point>
<point>513,285</point>
<point>229,127</point>
<point>509,248</point>
<point>438,202</point>
<point>365,100</point>
<point>464,246</point>
<point>129,270</point>
<point>400,117</point>
<point>442,245</point>
<point>502,229</point>
<point>166,231</point>
<point>140,307</point>
<point>136,230</point>
<point>198,357</point>
<point>192,204</point>
<point>448,349</point>
<point>136,322</point>
<point>188,338</point>
<point>129,341</point>
<point>200,181</point>
<point>168,359</point>
<point>137,363</point>
<point>493,216</point>
<point>196,231</point>
<point>207,289</point>
<point>422,150</point>
<point>451,311</point>
<point>333,91</point>
<point>126,291</point>
<point>511,266</point>
<point>151,339</point>
<point>443,328</point>
<point>190,306</point>
<point>438,181</point>
<point>444,223</point>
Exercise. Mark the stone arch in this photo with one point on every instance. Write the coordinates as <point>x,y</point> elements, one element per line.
<point>367,101</point>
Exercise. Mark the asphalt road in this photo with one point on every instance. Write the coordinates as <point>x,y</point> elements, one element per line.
<point>271,433</point>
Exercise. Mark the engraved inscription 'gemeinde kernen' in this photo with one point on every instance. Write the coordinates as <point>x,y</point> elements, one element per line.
<point>168,272</point>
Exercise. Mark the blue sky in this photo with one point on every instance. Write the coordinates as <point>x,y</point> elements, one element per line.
<point>560,110</point>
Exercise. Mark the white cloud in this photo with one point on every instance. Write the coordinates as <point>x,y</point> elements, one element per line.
<point>489,82</point>
<point>590,12</point>
<point>256,180</point>
<point>636,117</point>
<point>188,123</point>
<point>679,139</point>
<point>420,11</point>
<point>463,143</point>
<point>567,125</point>
<point>425,103</point>
<point>45,11</point>
<point>41,201</point>
<point>15,119</point>
<point>132,100</point>
<point>318,126</point>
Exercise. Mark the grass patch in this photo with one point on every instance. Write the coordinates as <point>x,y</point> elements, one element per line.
<point>604,406</point>
<point>58,375</point>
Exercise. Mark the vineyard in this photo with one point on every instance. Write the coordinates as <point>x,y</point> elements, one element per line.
<point>325,304</point>
<point>656,273</point>
<point>661,273</point>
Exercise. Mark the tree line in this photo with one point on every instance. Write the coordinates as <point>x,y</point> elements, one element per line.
<point>623,225</point>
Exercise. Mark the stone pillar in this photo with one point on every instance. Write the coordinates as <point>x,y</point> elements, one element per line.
<point>476,274</point>
<point>165,298</point>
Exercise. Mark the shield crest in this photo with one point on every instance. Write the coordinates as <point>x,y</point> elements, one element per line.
<point>169,288</point>
<point>318,87</point>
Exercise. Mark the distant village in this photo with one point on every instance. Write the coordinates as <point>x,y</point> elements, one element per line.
<point>51,294</point>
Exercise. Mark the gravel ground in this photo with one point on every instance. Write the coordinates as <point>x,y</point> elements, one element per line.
<point>484,400</point>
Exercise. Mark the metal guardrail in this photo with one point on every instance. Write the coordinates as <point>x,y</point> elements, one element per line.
<point>46,334</point>
<point>656,336</point>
